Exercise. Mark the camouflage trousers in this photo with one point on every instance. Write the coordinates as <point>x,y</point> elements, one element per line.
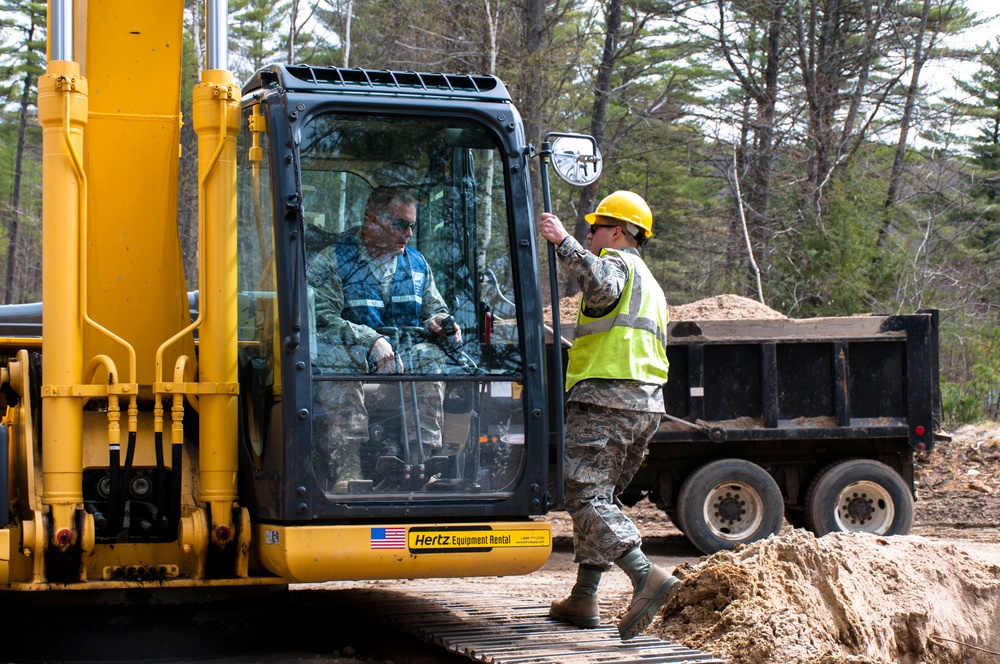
<point>342,411</point>
<point>604,449</point>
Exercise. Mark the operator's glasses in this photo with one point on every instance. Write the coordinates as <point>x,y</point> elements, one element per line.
<point>401,225</point>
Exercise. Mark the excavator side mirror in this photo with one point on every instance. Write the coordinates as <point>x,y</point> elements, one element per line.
<point>576,158</point>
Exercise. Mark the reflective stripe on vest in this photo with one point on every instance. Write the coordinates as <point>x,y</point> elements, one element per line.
<point>629,343</point>
<point>363,302</point>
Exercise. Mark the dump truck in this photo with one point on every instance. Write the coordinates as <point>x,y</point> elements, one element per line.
<point>813,420</point>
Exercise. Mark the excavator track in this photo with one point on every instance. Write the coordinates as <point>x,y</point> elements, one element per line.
<point>507,630</point>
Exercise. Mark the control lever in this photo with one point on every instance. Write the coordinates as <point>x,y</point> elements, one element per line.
<point>450,327</point>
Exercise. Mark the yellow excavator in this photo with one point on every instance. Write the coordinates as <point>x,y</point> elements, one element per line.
<point>160,436</point>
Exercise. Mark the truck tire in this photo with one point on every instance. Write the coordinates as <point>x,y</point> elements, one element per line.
<point>859,495</point>
<point>729,502</point>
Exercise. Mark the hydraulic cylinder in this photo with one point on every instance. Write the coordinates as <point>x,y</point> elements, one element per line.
<point>62,112</point>
<point>216,115</point>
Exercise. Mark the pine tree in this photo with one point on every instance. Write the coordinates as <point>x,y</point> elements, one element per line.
<point>23,58</point>
<point>255,34</point>
<point>982,106</point>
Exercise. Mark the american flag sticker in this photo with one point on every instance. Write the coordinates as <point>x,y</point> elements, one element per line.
<point>388,538</point>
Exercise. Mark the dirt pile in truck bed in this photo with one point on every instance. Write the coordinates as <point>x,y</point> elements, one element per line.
<point>717,307</point>
<point>724,307</point>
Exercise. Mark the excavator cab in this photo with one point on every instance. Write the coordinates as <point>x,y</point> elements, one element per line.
<point>459,427</point>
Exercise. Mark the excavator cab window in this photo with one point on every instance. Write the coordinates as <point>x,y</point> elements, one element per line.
<point>445,415</point>
<point>257,299</point>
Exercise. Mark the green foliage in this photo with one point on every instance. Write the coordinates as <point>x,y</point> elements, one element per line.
<point>983,106</point>
<point>669,172</point>
<point>970,387</point>
<point>21,62</point>
<point>822,264</point>
<point>971,347</point>
<point>839,248</point>
<point>22,24</point>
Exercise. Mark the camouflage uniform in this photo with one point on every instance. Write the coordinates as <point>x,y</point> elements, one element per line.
<point>341,407</point>
<point>608,426</point>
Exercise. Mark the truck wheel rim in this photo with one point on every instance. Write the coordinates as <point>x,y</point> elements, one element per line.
<point>733,511</point>
<point>865,507</point>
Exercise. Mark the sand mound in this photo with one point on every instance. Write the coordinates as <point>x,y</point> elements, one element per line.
<point>847,597</point>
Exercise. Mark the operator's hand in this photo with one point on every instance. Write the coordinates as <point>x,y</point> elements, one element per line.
<point>384,357</point>
<point>551,228</point>
<point>439,328</point>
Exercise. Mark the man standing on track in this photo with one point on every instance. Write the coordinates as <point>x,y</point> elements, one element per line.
<point>617,369</point>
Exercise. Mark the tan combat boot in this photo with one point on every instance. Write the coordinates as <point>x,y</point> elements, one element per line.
<point>652,593</point>
<point>580,610</point>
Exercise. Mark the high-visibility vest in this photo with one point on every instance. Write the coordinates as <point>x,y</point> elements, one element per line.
<point>630,342</point>
<point>363,301</point>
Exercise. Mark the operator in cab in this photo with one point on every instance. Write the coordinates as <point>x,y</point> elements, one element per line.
<point>377,311</point>
<point>615,377</point>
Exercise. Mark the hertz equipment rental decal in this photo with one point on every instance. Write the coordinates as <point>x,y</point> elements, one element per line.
<point>466,539</point>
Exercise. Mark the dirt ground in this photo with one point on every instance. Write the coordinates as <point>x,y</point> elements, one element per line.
<point>931,597</point>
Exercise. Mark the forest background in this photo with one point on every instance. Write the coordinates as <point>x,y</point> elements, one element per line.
<point>815,155</point>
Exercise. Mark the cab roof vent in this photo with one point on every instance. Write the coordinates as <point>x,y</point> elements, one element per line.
<point>302,77</point>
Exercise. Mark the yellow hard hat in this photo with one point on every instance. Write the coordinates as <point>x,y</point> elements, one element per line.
<point>625,206</point>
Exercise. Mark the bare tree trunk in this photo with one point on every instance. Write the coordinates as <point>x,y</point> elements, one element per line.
<point>832,40</point>
<point>819,57</point>
<point>598,118</point>
<point>12,223</point>
<point>896,173</point>
<point>736,257</point>
<point>492,21</point>
<point>602,97</point>
<point>762,154</point>
<point>531,77</point>
<point>873,23</point>
<point>196,37</point>
<point>293,28</point>
<point>346,37</point>
<point>187,176</point>
<point>754,151</point>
